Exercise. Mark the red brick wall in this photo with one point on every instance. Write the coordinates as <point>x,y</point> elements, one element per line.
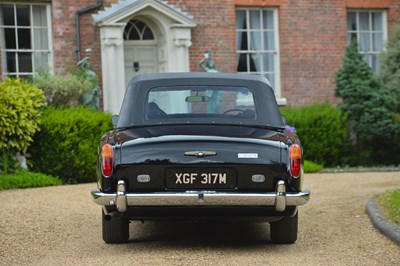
<point>312,45</point>
<point>215,30</point>
<point>64,34</point>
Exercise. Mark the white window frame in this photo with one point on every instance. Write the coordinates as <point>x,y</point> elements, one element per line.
<point>32,50</point>
<point>358,32</point>
<point>276,52</point>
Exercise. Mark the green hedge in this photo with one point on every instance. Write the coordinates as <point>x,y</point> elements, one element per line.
<point>67,144</point>
<point>322,130</point>
<point>26,179</point>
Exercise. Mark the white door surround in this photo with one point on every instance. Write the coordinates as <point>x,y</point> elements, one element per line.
<point>172,30</point>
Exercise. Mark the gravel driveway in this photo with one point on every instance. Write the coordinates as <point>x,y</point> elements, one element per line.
<point>61,225</point>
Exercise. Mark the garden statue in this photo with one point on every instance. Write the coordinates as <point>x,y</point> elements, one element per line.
<point>207,64</point>
<point>214,105</point>
<point>92,97</point>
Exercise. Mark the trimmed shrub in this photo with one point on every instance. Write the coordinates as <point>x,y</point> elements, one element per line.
<point>66,90</point>
<point>26,179</point>
<point>322,130</point>
<point>20,110</point>
<point>67,144</point>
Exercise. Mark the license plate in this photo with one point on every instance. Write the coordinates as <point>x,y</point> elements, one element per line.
<point>204,178</point>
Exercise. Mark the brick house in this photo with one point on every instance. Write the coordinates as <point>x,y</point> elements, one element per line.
<point>297,44</point>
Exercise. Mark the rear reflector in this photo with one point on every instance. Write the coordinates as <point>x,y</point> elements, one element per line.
<point>295,160</point>
<point>107,155</point>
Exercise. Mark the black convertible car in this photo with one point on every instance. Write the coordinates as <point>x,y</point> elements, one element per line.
<point>200,146</point>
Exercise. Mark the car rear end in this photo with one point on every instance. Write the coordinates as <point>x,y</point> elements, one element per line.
<point>200,146</point>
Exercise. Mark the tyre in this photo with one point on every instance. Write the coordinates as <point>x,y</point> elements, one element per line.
<point>284,231</point>
<point>115,229</point>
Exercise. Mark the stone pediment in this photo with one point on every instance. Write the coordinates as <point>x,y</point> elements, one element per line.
<point>125,8</point>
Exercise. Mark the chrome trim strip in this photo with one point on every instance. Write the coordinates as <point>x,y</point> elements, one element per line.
<point>202,198</point>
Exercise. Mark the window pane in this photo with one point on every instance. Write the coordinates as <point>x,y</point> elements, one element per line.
<point>268,20</point>
<point>251,63</point>
<point>255,22</point>
<point>134,34</point>
<point>147,34</point>
<point>8,15</point>
<point>40,40</point>
<point>351,36</point>
<point>271,79</point>
<point>41,62</point>
<point>269,42</point>
<point>241,19</point>
<point>375,63</point>
<point>257,59</point>
<point>140,25</point>
<point>24,39</point>
<point>9,35</point>
<point>364,42</point>
<point>364,20</point>
<point>351,21</point>
<point>239,40</point>
<point>377,21</point>
<point>39,16</point>
<point>368,59</point>
<point>23,18</point>
<point>11,67</point>
<point>377,42</point>
<point>242,63</point>
<point>268,62</point>
<point>255,40</point>
<point>25,62</point>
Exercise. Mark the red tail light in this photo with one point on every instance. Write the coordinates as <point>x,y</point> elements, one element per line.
<point>295,160</point>
<point>107,154</point>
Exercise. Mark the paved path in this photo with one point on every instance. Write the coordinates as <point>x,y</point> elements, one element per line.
<point>61,225</point>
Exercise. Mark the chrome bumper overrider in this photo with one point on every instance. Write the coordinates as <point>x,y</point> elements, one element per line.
<point>279,199</point>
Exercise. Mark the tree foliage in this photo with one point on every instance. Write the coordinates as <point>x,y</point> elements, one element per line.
<point>370,107</point>
<point>390,67</point>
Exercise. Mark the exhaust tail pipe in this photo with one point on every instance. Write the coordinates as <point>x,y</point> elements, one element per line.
<point>109,215</point>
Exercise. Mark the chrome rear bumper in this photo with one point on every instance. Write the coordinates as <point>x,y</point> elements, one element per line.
<point>122,200</point>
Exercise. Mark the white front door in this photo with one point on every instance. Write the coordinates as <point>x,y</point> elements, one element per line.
<point>139,58</point>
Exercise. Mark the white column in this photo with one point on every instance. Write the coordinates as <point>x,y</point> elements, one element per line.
<point>182,42</point>
<point>112,64</point>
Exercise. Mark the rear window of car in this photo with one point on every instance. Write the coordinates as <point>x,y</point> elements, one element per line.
<point>200,102</point>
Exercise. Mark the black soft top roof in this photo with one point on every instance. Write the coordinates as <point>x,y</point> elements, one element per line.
<point>133,106</point>
<point>197,75</point>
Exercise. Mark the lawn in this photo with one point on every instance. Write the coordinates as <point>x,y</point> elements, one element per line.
<point>27,179</point>
<point>390,205</point>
